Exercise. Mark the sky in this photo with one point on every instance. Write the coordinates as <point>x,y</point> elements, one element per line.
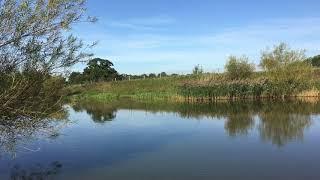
<point>147,36</point>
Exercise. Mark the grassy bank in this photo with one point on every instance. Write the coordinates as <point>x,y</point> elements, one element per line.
<point>206,87</point>
<point>157,89</point>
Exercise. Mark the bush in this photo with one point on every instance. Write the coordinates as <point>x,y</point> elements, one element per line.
<point>30,94</point>
<point>239,68</point>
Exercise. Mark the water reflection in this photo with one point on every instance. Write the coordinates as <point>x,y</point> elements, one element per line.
<point>38,172</point>
<point>99,112</point>
<point>281,124</point>
<point>15,134</point>
<point>278,122</point>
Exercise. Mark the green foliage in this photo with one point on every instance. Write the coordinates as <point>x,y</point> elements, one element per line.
<point>152,75</point>
<point>286,74</point>
<point>97,70</point>
<point>287,69</point>
<point>239,68</point>
<point>30,94</point>
<point>162,74</point>
<point>280,57</point>
<point>156,89</point>
<point>315,61</point>
<point>76,78</point>
<point>100,70</point>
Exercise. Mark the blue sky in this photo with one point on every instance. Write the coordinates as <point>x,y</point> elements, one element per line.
<point>144,36</point>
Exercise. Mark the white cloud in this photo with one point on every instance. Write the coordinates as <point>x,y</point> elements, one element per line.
<point>143,24</point>
<point>183,51</point>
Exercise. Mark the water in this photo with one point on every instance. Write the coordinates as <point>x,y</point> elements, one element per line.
<point>130,140</point>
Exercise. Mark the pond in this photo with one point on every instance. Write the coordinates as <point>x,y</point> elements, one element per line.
<point>132,140</point>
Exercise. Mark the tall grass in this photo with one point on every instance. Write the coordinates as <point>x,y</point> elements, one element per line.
<point>207,87</point>
<point>247,89</point>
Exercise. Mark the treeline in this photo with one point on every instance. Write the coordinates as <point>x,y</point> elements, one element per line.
<point>283,72</point>
<point>102,70</point>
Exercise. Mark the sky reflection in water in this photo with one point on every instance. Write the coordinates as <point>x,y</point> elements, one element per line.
<point>130,140</point>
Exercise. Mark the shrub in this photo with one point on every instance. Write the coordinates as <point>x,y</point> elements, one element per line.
<point>239,68</point>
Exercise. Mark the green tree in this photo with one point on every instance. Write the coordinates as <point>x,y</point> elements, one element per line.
<point>239,68</point>
<point>76,78</point>
<point>286,69</point>
<point>315,61</point>
<point>280,57</point>
<point>100,70</point>
<point>162,74</point>
<point>152,75</point>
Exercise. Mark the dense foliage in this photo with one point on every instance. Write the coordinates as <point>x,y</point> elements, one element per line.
<point>239,68</point>
<point>315,61</point>
<point>97,70</point>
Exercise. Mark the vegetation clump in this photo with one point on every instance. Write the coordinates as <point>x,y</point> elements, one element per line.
<point>239,68</point>
<point>285,73</point>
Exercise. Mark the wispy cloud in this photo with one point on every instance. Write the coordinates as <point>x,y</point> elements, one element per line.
<point>157,51</point>
<point>143,24</point>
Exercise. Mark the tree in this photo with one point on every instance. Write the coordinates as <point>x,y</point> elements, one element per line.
<point>287,69</point>
<point>239,68</point>
<point>280,57</point>
<point>162,74</point>
<point>35,43</point>
<point>76,78</point>
<point>315,61</point>
<point>197,70</point>
<point>100,70</point>
<point>152,75</point>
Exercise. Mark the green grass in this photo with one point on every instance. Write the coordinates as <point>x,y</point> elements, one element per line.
<point>157,89</point>
<point>182,88</point>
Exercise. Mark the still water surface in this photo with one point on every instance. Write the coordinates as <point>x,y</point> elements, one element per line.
<point>130,140</point>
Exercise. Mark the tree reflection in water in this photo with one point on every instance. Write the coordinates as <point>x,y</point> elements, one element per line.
<point>278,122</point>
<point>38,172</point>
<point>99,112</point>
<point>14,134</point>
<point>281,124</point>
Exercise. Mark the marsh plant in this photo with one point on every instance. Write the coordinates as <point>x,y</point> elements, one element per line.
<point>285,73</point>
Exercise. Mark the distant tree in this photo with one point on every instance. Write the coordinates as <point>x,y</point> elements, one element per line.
<point>197,70</point>
<point>143,76</point>
<point>76,78</point>
<point>315,61</point>
<point>162,74</point>
<point>100,70</point>
<point>123,77</point>
<point>239,67</point>
<point>152,75</point>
